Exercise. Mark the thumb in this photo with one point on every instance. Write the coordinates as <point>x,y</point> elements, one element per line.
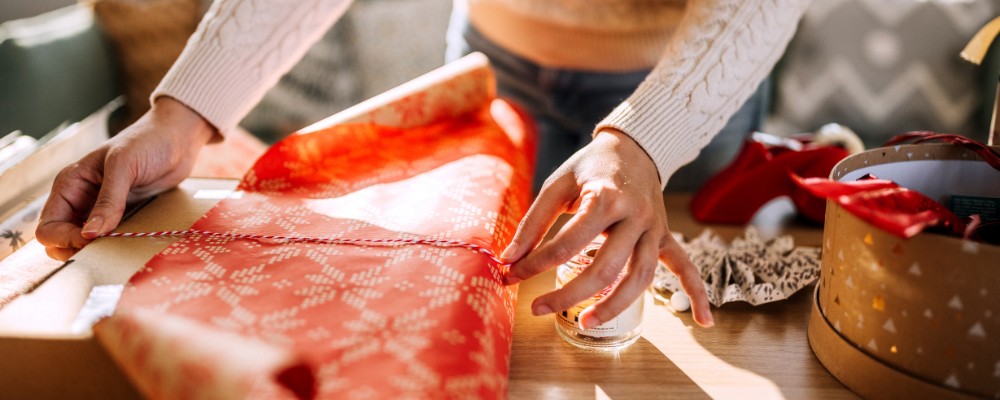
<point>109,206</point>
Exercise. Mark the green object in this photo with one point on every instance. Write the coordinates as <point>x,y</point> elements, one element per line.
<point>54,67</point>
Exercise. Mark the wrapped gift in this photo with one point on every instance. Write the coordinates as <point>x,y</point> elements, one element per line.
<point>918,316</point>
<point>357,259</point>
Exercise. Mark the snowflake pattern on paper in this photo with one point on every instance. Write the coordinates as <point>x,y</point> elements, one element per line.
<point>411,321</point>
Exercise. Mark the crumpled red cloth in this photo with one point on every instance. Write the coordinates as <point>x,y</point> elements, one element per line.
<point>342,321</point>
<point>760,173</point>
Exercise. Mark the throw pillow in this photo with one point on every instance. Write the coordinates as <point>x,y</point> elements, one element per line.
<point>884,67</point>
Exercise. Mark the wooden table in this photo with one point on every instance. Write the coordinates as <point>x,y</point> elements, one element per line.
<point>751,353</point>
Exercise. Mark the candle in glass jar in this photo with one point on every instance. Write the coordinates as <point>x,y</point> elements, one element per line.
<point>616,333</point>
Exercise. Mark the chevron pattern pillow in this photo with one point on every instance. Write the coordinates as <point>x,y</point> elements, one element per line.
<point>884,67</point>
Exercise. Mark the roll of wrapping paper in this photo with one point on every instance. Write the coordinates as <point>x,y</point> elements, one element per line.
<point>392,320</point>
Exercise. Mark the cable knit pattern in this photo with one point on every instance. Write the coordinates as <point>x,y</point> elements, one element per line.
<point>714,59</point>
<point>241,49</point>
<point>720,54</point>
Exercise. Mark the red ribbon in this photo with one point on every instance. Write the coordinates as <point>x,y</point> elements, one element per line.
<point>897,210</point>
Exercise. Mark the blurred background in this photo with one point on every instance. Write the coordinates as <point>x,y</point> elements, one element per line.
<point>880,67</point>
<point>377,45</point>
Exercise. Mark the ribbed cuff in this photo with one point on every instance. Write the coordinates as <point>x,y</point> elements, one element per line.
<point>659,120</point>
<point>209,82</point>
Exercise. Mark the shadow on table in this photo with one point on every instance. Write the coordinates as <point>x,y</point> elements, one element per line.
<point>639,372</point>
<point>770,341</point>
<point>659,377</point>
<point>545,366</point>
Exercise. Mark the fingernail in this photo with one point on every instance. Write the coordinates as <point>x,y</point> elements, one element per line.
<point>508,253</point>
<point>588,321</point>
<point>541,309</point>
<point>709,322</point>
<point>93,226</point>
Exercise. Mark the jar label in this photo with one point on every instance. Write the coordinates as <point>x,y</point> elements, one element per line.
<point>624,323</point>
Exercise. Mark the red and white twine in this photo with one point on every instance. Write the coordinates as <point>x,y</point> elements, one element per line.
<point>349,241</point>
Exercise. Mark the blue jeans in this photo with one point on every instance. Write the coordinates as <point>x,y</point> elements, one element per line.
<point>568,104</point>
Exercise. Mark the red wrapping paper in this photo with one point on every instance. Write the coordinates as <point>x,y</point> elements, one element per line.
<point>412,321</point>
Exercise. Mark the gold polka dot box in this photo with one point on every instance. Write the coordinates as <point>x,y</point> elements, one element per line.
<point>917,317</point>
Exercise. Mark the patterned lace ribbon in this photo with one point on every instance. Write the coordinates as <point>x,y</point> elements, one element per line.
<point>319,240</point>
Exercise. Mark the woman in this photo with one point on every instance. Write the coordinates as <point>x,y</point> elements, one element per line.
<point>664,75</point>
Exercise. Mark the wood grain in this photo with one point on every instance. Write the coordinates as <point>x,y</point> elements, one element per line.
<point>752,352</point>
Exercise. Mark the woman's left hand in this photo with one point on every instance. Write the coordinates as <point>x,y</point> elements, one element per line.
<point>612,187</point>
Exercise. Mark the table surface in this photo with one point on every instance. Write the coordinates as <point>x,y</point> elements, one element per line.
<point>752,352</point>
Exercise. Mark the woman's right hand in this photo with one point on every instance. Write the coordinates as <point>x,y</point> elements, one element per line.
<point>152,155</point>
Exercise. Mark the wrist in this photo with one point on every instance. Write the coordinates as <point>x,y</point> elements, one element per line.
<point>190,124</point>
<point>628,147</point>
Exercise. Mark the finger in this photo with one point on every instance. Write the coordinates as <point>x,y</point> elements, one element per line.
<point>110,203</point>
<point>57,234</point>
<point>602,273</point>
<point>588,223</point>
<point>641,268</point>
<point>550,203</point>
<point>678,262</point>
<point>59,253</point>
<point>58,223</point>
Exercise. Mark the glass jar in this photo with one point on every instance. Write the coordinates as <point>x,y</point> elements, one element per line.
<point>616,333</point>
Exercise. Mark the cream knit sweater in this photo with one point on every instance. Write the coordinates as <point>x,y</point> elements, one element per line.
<point>708,56</point>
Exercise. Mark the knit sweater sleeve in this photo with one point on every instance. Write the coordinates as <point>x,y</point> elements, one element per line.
<point>721,52</point>
<point>241,49</point>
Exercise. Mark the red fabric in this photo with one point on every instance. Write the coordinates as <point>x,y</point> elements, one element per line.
<point>759,174</point>
<point>383,322</point>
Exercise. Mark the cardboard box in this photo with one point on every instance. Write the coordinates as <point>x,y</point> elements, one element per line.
<point>45,356</point>
<point>910,318</point>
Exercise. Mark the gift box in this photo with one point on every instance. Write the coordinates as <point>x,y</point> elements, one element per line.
<point>917,317</point>
<point>46,353</point>
<point>356,258</point>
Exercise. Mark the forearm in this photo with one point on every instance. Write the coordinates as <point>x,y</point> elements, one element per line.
<point>240,50</point>
<point>723,49</point>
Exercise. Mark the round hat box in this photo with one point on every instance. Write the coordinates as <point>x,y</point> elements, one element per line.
<point>917,317</point>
